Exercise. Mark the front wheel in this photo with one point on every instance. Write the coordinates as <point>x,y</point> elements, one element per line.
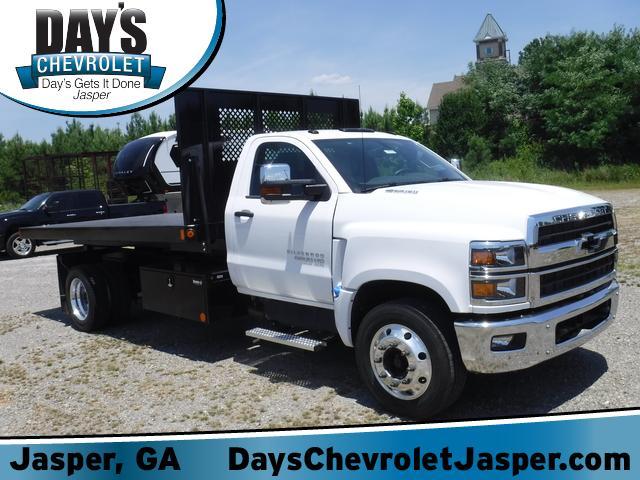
<point>406,361</point>
<point>19,246</point>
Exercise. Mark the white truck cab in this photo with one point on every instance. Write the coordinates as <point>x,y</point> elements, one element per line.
<point>506,275</point>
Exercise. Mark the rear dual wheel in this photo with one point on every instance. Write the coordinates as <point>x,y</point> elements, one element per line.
<point>408,363</point>
<point>96,295</point>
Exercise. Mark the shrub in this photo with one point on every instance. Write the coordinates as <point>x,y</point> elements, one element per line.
<point>478,153</point>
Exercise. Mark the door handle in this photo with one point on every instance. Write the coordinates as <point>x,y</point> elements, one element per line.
<point>72,214</point>
<point>244,213</point>
<point>101,212</point>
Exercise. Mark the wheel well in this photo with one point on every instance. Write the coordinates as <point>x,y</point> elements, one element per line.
<point>107,260</point>
<point>10,231</point>
<point>378,292</point>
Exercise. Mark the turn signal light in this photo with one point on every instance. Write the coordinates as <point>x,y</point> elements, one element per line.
<point>270,190</point>
<point>484,290</point>
<point>483,257</point>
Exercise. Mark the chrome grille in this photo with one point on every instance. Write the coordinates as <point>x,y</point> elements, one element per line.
<point>568,253</point>
<point>573,229</point>
<point>573,277</point>
<point>571,252</point>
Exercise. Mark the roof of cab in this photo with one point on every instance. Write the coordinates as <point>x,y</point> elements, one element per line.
<point>311,135</point>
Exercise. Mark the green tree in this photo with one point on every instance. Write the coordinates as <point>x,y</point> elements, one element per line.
<point>74,138</point>
<point>582,96</point>
<point>373,120</point>
<point>409,119</point>
<point>136,127</point>
<point>478,152</point>
<point>12,154</point>
<point>499,89</point>
<point>460,117</point>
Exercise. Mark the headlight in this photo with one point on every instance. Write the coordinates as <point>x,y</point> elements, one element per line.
<point>490,254</point>
<point>498,289</point>
<point>497,272</point>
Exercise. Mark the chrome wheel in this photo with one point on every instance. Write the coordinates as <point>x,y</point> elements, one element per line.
<point>400,361</point>
<point>79,299</point>
<point>21,246</point>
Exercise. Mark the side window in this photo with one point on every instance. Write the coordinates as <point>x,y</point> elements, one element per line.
<point>61,202</point>
<point>282,153</point>
<point>88,199</point>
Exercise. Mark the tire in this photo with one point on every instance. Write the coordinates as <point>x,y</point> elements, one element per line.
<point>405,360</point>
<point>20,247</point>
<point>87,298</point>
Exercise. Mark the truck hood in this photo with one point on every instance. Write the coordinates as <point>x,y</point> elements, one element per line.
<point>477,209</point>
<point>13,215</point>
<point>8,219</point>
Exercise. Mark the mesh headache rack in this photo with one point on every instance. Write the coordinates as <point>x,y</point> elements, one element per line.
<point>213,126</point>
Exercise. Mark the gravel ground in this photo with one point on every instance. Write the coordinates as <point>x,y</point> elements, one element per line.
<point>164,375</point>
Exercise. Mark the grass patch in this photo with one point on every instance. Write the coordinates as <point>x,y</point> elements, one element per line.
<point>526,169</point>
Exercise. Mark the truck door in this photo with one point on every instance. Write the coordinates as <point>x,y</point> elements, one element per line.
<point>90,205</point>
<point>280,249</point>
<point>61,208</point>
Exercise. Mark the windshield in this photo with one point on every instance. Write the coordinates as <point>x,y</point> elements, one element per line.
<point>370,163</point>
<point>35,203</point>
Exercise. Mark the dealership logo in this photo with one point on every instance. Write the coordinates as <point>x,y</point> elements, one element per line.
<point>76,53</point>
<point>97,60</point>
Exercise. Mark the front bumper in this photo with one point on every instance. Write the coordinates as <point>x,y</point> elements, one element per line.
<point>475,337</point>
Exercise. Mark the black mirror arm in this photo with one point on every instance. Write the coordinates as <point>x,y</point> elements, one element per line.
<point>312,190</point>
<point>315,190</point>
<point>285,183</point>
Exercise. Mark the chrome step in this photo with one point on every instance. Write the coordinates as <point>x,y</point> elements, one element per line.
<point>289,339</point>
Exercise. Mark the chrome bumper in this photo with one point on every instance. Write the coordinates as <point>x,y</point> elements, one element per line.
<point>475,337</point>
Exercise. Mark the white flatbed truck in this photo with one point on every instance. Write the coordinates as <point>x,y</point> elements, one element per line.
<point>295,216</point>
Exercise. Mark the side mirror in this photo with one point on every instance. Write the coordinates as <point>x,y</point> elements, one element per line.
<point>272,180</point>
<point>275,172</point>
<point>276,184</point>
<point>44,208</point>
<point>303,189</point>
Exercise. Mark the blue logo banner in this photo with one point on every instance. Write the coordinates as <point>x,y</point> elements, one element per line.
<point>115,64</point>
<point>577,447</point>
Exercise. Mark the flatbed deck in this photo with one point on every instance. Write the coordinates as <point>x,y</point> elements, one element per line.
<point>164,231</point>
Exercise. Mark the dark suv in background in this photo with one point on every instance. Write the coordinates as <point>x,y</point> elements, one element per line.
<point>63,207</point>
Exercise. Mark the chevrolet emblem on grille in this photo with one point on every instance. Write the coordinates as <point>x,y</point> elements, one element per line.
<point>591,242</point>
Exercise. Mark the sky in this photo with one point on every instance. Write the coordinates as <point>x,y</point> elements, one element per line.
<point>338,47</point>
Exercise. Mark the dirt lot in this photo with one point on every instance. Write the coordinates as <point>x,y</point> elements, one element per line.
<point>161,375</point>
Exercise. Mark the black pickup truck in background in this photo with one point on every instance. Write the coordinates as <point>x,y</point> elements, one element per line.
<point>64,207</point>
